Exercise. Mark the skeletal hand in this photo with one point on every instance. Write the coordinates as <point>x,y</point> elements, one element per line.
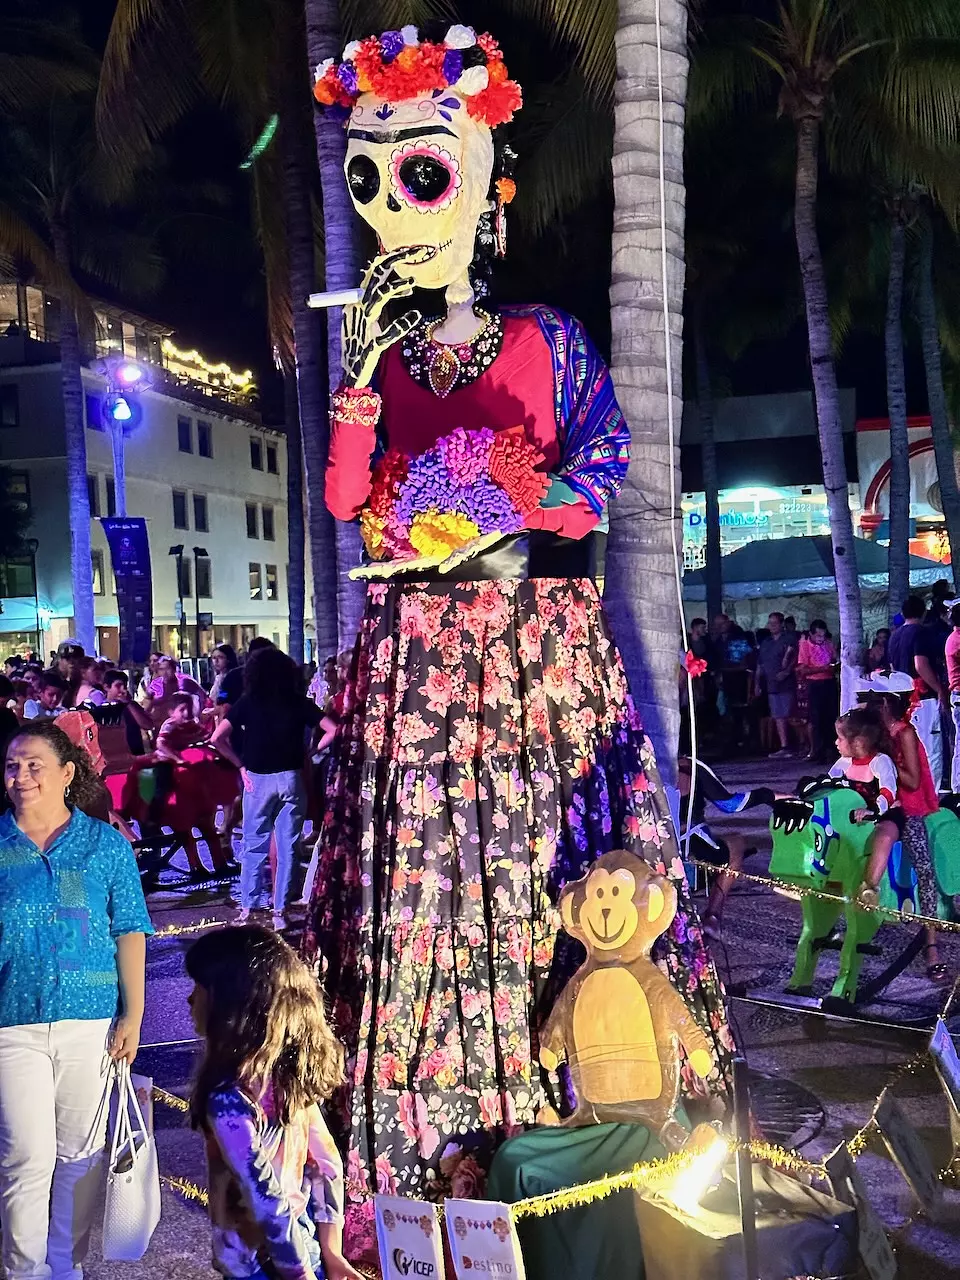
<point>364,342</point>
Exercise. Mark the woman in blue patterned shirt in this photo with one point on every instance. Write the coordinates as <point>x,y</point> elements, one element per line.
<point>72,949</point>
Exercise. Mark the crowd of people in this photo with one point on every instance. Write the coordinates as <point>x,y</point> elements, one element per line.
<point>776,689</point>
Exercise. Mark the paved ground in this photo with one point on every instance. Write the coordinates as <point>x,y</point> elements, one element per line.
<point>816,1078</point>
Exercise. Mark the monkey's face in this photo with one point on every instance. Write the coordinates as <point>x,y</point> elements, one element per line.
<point>609,915</point>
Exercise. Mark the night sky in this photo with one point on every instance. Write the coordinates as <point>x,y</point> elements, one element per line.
<point>217,303</point>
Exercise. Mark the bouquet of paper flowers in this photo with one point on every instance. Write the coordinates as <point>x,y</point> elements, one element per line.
<point>469,490</point>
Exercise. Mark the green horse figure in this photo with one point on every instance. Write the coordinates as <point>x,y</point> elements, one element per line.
<point>817,844</point>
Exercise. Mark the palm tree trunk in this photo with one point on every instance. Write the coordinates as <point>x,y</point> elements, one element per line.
<point>641,588</point>
<point>312,396</point>
<point>341,271</point>
<point>829,422</point>
<point>899,555</point>
<point>78,496</point>
<point>936,394</point>
<point>296,532</point>
<point>713,569</point>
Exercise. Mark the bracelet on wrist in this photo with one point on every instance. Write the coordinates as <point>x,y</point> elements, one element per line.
<point>356,406</point>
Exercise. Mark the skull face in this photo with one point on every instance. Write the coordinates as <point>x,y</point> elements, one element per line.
<point>419,174</point>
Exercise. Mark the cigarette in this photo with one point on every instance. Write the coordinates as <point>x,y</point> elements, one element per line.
<point>337,298</point>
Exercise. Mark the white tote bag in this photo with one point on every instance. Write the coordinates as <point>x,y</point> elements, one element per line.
<point>132,1208</point>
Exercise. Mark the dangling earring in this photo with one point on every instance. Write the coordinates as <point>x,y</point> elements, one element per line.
<point>66,793</point>
<point>506,190</point>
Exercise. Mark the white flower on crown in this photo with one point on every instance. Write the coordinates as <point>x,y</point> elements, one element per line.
<point>459,37</point>
<point>323,68</point>
<point>474,80</point>
<point>410,35</point>
<point>351,51</point>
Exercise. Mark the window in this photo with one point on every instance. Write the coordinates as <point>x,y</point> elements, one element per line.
<point>273,588</point>
<point>184,435</point>
<point>16,577</point>
<point>267,516</point>
<point>111,497</point>
<point>272,460</point>
<point>200,513</point>
<point>252,527</point>
<point>180,510</point>
<point>94,407</point>
<point>184,585</point>
<point>256,582</point>
<point>203,577</point>
<point>96,564</point>
<point>204,439</point>
<point>256,454</point>
<point>18,489</point>
<point>9,405</point>
<point>93,493</point>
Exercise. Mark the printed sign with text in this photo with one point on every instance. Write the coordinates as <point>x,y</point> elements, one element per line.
<point>878,1257</point>
<point>483,1239</point>
<point>945,1059</point>
<point>909,1153</point>
<point>408,1237</point>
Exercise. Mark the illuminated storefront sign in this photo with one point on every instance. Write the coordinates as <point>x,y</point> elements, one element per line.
<point>749,513</point>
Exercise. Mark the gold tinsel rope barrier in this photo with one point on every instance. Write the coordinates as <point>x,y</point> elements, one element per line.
<point>181,930</point>
<point>792,890</point>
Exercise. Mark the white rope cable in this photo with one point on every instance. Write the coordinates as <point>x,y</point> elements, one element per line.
<point>671,423</point>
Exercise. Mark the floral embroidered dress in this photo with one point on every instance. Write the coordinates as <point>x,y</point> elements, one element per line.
<point>488,753</point>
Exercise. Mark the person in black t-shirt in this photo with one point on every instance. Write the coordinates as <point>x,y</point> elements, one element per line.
<point>914,650</point>
<point>276,725</point>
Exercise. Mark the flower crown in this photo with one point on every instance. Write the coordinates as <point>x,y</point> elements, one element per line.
<point>397,66</point>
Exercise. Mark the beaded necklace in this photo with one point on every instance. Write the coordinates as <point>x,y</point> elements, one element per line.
<point>443,367</point>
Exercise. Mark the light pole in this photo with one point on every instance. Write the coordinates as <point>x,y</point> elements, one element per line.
<point>199,553</point>
<point>123,412</point>
<point>177,553</point>
<point>32,547</point>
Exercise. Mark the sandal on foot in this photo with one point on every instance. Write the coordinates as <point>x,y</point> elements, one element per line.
<point>936,972</point>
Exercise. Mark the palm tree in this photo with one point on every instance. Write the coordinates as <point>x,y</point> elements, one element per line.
<point>642,590</point>
<point>244,58</point>
<point>928,319</point>
<point>898,572</point>
<point>841,65</point>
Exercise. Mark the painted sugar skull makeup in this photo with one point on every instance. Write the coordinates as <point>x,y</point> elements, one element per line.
<point>419,173</point>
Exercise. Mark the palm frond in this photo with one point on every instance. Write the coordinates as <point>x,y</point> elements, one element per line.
<point>565,146</point>
<point>589,28</point>
<point>38,59</point>
<point>23,250</point>
<point>363,17</point>
<point>149,78</point>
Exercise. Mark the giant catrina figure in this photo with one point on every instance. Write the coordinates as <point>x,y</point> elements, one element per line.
<point>489,751</point>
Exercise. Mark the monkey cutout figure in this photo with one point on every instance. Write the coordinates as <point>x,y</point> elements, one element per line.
<point>619,1021</point>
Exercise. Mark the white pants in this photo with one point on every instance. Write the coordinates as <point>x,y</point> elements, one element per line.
<point>52,1130</point>
<point>926,720</point>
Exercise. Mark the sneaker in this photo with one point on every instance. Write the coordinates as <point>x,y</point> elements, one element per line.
<point>279,921</point>
<point>783,754</point>
<point>243,916</point>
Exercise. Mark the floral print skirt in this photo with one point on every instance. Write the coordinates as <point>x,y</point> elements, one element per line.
<point>488,753</point>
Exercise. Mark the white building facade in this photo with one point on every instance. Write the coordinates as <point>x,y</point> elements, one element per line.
<point>201,469</point>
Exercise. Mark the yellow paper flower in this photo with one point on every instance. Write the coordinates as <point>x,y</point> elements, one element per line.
<point>437,533</point>
<point>371,530</point>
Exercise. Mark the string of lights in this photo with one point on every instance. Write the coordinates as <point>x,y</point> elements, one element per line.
<point>223,370</point>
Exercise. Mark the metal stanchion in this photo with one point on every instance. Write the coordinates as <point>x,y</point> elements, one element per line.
<point>748,1208</point>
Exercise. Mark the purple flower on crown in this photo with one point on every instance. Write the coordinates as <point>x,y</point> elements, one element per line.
<point>466,454</point>
<point>391,43</point>
<point>452,66</point>
<point>347,75</point>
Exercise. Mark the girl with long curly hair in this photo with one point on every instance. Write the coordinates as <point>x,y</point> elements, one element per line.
<point>271,1057</point>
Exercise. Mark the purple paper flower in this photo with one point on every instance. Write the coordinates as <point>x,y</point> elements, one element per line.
<point>490,508</point>
<point>452,65</point>
<point>347,75</point>
<point>466,454</point>
<point>427,486</point>
<point>391,43</point>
